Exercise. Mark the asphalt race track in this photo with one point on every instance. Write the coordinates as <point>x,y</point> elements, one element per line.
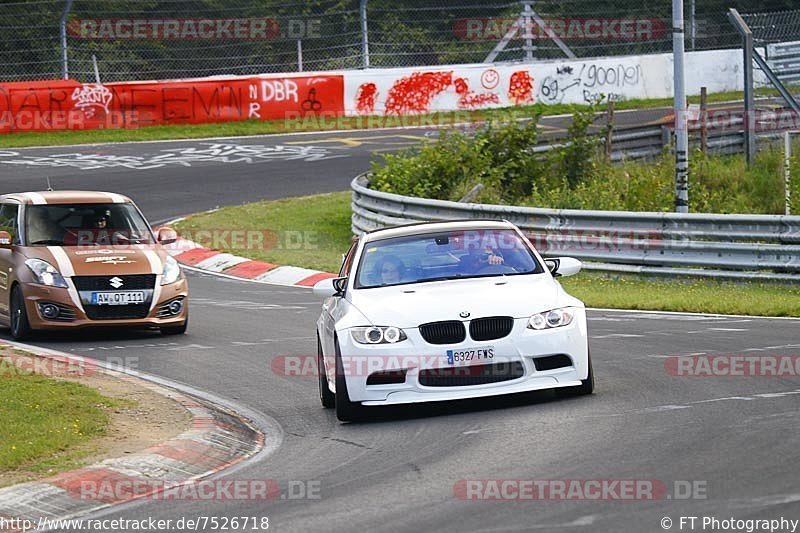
<point>734,438</point>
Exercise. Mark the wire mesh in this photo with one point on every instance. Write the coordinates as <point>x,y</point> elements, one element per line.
<point>30,40</point>
<point>168,39</point>
<point>774,27</point>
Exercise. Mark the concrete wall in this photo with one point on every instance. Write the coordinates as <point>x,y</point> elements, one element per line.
<point>460,87</point>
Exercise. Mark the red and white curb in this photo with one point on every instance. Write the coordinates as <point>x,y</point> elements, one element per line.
<point>217,440</point>
<point>191,254</point>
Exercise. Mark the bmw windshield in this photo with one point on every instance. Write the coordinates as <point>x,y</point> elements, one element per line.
<point>443,256</point>
<point>85,225</point>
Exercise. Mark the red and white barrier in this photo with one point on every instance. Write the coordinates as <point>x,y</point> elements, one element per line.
<point>192,254</point>
<point>69,105</point>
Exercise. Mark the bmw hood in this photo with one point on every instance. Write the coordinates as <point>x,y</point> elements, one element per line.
<point>408,306</point>
<point>100,261</point>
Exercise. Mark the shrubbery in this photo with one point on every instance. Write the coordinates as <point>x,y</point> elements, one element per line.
<point>577,176</point>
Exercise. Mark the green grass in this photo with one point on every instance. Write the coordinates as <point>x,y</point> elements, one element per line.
<point>269,127</point>
<point>689,295</point>
<point>46,422</point>
<point>327,217</point>
<point>310,232</point>
<point>717,184</point>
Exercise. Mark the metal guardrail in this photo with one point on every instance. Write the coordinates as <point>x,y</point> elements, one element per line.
<point>647,142</point>
<point>720,246</point>
<point>784,59</point>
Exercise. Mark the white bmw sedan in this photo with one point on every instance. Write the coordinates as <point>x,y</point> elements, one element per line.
<point>445,311</point>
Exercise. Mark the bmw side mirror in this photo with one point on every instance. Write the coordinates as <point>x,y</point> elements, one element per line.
<point>330,287</point>
<point>340,284</point>
<point>563,266</point>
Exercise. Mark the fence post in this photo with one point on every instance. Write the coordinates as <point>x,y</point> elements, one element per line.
<point>63,30</point>
<point>609,129</point>
<point>749,98</point>
<point>364,35</point>
<point>299,55</point>
<point>527,13</point>
<point>787,170</point>
<point>681,122</point>
<point>704,120</point>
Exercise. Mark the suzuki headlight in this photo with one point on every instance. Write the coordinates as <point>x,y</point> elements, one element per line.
<point>172,271</point>
<point>551,319</point>
<point>46,274</point>
<point>378,335</point>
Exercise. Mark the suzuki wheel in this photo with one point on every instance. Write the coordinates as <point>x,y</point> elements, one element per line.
<point>20,327</point>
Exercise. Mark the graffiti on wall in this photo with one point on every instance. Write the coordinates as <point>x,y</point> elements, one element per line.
<point>67,104</point>
<point>420,92</point>
<point>520,90</point>
<point>279,98</point>
<point>590,83</point>
<point>92,99</point>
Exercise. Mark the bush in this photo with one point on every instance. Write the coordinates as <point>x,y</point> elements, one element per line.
<point>577,176</point>
<point>437,169</point>
<point>498,156</point>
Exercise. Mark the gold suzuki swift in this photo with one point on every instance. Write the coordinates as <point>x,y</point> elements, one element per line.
<point>75,259</point>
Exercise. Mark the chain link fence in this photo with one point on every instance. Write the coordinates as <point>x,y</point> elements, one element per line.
<point>774,27</point>
<point>168,39</point>
<point>779,33</point>
<point>30,40</point>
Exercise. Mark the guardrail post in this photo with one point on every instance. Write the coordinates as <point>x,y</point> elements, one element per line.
<point>787,169</point>
<point>666,137</point>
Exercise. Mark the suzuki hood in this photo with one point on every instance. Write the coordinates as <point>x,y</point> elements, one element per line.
<point>408,306</point>
<point>102,261</point>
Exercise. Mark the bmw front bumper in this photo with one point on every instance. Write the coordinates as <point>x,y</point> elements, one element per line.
<point>522,347</point>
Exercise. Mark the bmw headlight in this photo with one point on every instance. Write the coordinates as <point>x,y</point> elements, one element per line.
<point>172,271</point>
<point>378,335</point>
<point>46,274</point>
<point>551,319</point>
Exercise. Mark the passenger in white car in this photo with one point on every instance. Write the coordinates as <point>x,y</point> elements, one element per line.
<point>390,270</point>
